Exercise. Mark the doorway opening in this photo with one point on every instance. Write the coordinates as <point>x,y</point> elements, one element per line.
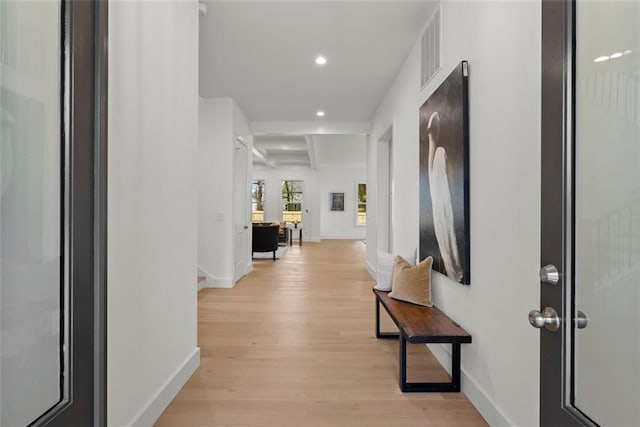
<point>385,191</point>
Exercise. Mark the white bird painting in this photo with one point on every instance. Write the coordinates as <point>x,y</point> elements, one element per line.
<point>441,201</point>
<point>444,176</point>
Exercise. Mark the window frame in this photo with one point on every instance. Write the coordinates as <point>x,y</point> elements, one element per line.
<point>264,198</point>
<point>302,199</point>
<point>357,204</point>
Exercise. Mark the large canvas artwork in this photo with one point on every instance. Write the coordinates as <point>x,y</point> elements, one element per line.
<point>444,176</point>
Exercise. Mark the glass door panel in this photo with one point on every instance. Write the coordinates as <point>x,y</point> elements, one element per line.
<point>606,357</point>
<point>292,198</point>
<point>31,278</point>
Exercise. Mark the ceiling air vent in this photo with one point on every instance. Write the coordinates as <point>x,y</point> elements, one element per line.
<point>431,48</point>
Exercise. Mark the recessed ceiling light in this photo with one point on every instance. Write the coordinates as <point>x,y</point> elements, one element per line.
<point>320,113</point>
<point>626,52</point>
<point>321,60</point>
<point>615,55</point>
<point>601,59</point>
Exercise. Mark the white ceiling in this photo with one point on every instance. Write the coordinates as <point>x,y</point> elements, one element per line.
<point>261,53</point>
<point>340,150</point>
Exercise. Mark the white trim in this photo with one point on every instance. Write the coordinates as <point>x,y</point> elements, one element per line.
<point>476,394</point>
<point>245,271</point>
<point>345,237</point>
<point>220,282</point>
<point>214,282</point>
<point>152,411</point>
<point>207,277</point>
<point>370,269</point>
<point>202,272</point>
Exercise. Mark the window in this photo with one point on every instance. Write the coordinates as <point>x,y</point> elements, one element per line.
<point>361,203</point>
<point>257,200</point>
<point>292,201</point>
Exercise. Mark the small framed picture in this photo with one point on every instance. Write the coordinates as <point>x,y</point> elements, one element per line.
<point>336,201</point>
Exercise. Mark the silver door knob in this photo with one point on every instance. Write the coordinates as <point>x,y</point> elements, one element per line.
<point>550,274</point>
<point>581,320</point>
<point>548,318</point>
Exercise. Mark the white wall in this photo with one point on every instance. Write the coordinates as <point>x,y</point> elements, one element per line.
<point>501,41</point>
<point>340,224</point>
<point>152,217</point>
<point>273,196</point>
<point>215,191</point>
<point>220,121</point>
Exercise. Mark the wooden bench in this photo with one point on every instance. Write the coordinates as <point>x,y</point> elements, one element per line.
<point>421,325</point>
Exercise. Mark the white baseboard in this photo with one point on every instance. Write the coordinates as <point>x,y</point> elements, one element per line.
<point>476,395</point>
<point>214,282</point>
<point>220,282</point>
<point>207,277</point>
<point>343,237</point>
<point>202,272</point>
<point>370,269</point>
<point>150,414</point>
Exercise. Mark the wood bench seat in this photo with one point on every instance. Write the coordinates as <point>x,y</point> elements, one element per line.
<point>421,325</point>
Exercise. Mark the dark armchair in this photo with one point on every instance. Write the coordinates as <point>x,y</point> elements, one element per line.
<point>265,238</point>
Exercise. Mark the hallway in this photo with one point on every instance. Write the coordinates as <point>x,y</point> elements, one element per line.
<point>292,344</point>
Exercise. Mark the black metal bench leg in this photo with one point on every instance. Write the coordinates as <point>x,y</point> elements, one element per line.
<point>455,366</point>
<point>452,387</point>
<point>402,374</point>
<point>385,335</point>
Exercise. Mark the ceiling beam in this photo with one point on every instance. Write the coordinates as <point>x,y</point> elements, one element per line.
<point>311,149</point>
<point>257,154</point>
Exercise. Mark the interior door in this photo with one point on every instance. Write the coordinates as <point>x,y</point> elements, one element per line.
<point>590,231</point>
<point>241,203</point>
<point>52,170</point>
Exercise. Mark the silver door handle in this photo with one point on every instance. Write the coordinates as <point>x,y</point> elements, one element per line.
<point>550,274</point>
<point>547,318</point>
<point>246,227</point>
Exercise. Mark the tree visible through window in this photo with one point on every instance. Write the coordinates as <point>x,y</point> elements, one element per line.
<point>292,201</point>
<point>362,204</point>
<point>257,200</point>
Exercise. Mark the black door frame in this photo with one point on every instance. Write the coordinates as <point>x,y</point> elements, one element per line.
<point>557,207</point>
<point>84,173</point>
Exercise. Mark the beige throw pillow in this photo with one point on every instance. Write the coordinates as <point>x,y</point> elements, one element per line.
<point>412,283</point>
<point>384,269</point>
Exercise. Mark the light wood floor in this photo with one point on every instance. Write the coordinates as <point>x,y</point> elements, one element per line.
<point>292,344</point>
